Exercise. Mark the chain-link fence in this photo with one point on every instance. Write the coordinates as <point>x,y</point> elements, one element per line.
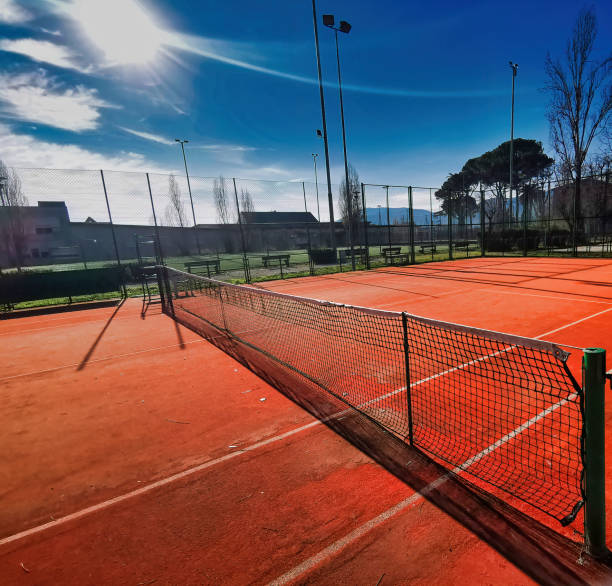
<point>244,230</point>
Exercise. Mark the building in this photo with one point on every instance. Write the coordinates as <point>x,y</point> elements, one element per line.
<point>36,234</point>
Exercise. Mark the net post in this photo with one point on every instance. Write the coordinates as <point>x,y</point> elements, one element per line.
<point>594,378</point>
<point>407,372</point>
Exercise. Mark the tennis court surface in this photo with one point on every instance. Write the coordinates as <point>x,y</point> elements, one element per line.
<point>319,442</point>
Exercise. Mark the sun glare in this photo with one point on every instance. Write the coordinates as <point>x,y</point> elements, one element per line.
<point>120,28</point>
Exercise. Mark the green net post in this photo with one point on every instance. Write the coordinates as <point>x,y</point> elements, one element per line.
<point>594,379</point>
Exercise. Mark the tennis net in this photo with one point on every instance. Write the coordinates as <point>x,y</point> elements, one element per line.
<point>502,410</point>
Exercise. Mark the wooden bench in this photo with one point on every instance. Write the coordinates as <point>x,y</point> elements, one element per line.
<point>215,263</point>
<point>281,258</point>
<point>357,252</point>
<point>463,243</point>
<point>400,259</point>
<point>390,252</point>
<point>428,246</point>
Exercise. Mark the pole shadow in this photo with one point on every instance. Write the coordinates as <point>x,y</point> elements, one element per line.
<point>92,348</point>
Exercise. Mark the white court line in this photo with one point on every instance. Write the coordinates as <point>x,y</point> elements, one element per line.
<point>153,486</point>
<point>574,323</point>
<point>546,296</point>
<point>333,549</point>
<point>105,359</point>
<point>210,463</point>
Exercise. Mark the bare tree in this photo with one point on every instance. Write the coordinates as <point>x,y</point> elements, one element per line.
<point>12,217</point>
<point>224,215</point>
<point>350,201</point>
<point>580,89</point>
<point>174,214</point>
<point>246,203</point>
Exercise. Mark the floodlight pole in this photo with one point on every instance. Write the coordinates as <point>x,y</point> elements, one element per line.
<point>182,143</point>
<point>514,67</point>
<point>314,158</point>
<point>330,197</point>
<point>345,28</point>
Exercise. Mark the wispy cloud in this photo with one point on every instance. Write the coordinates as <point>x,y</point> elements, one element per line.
<point>148,136</point>
<point>33,97</point>
<point>13,13</point>
<point>24,150</point>
<point>44,52</point>
<point>225,147</point>
<point>210,49</point>
<point>52,33</point>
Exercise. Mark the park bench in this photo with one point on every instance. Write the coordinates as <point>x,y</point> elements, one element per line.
<point>397,259</point>
<point>425,246</point>
<point>215,263</point>
<point>281,258</point>
<point>390,252</point>
<point>464,243</point>
<point>357,252</point>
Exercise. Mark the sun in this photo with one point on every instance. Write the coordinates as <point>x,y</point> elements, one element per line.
<point>122,29</point>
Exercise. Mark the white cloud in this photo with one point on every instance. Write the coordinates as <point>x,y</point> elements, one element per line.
<point>225,147</point>
<point>23,150</point>
<point>12,13</point>
<point>148,136</point>
<point>33,97</point>
<point>44,52</point>
<point>50,32</point>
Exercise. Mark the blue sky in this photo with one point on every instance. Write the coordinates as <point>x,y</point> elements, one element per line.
<point>110,84</point>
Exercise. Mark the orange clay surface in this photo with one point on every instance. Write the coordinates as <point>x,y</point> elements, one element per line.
<point>135,452</point>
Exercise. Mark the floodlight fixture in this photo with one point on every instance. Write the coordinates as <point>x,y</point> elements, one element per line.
<point>345,27</point>
<point>328,20</point>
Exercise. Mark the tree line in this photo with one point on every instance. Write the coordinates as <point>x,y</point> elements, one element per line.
<point>579,88</point>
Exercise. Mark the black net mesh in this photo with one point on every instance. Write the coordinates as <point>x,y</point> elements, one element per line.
<point>499,410</point>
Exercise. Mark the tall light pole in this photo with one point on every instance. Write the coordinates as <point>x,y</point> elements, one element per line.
<point>330,197</point>
<point>314,158</point>
<point>344,27</point>
<point>183,143</point>
<point>514,67</point>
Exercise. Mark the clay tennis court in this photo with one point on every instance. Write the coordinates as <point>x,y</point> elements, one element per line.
<point>136,451</point>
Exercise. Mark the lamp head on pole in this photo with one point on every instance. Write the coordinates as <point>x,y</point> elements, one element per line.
<point>514,67</point>
<point>345,27</point>
<point>328,20</point>
<point>319,133</point>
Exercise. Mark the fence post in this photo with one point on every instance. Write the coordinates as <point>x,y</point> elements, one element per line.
<point>110,218</point>
<point>159,244</point>
<point>365,227</point>
<point>247,275</point>
<point>388,218</point>
<point>411,220</point>
<point>407,372</point>
<point>575,217</point>
<point>450,226</point>
<point>549,219</point>
<point>525,219</point>
<point>594,379</point>
<point>482,222</point>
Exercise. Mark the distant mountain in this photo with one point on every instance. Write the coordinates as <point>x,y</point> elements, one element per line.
<point>421,217</point>
<point>402,216</point>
